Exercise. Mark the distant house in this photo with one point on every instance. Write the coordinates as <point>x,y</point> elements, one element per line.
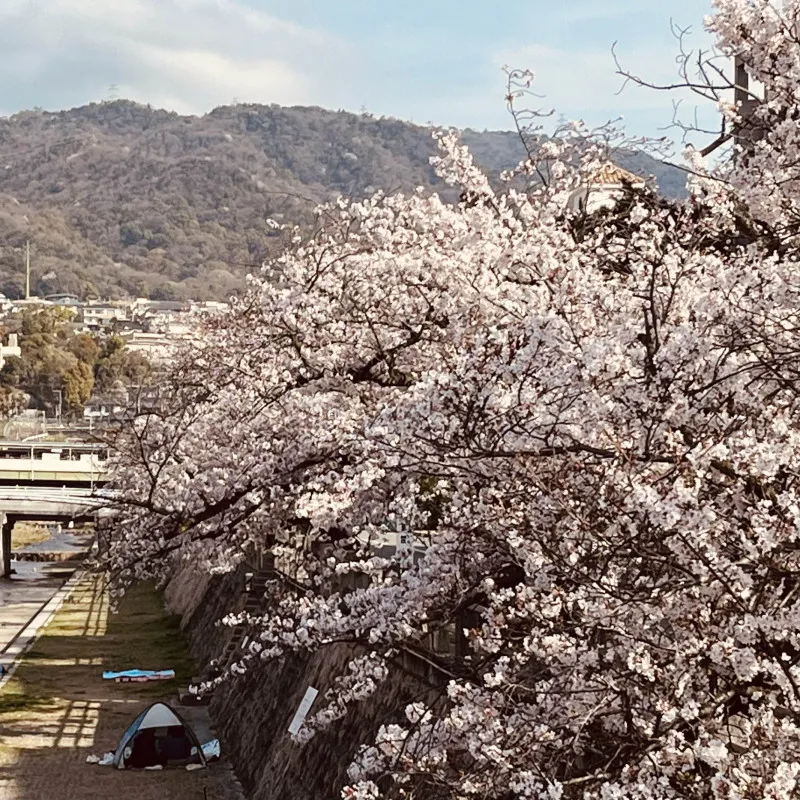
<point>101,314</point>
<point>142,307</point>
<point>66,300</point>
<point>104,408</point>
<point>166,316</point>
<point>604,188</point>
<point>174,306</point>
<point>127,325</point>
<point>157,348</point>
<point>5,304</point>
<point>32,302</point>
<point>210,307</point>
<point>122,403</point>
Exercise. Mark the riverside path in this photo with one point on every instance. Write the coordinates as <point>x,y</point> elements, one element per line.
<point>55,709</point>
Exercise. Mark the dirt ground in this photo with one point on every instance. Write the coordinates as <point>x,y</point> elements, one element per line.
<point>56,710</point>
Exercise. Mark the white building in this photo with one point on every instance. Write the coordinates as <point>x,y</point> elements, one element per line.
<point>65,300</point>
<point>604,188</point>
<point>102,314</point>
<point>157,348</point>
<point>210,307</point>
<point>99,408</point>
<point>32,302</point>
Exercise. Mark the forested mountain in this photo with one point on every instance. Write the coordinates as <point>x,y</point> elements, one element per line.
<point>122,199</point>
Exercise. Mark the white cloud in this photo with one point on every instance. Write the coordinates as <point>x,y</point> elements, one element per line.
<point>194,54</point>
<point>198,79</point>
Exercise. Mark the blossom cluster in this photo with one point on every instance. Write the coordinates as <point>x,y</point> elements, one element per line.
<point>592,425</point>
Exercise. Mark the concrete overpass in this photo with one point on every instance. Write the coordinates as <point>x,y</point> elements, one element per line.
<point>47,481</point>
<point>43,504</point>
<point>81,464</point>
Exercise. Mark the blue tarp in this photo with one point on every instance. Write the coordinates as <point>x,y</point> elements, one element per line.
<point>140,675</point>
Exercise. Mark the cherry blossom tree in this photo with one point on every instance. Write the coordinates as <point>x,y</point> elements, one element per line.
<point>589,422</point>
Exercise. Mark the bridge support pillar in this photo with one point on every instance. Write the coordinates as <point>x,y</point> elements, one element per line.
<point>5,545</point>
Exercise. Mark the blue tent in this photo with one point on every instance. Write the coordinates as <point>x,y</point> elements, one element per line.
<point>158,736</point>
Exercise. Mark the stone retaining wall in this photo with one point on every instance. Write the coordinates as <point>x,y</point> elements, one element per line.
<point>252,713</point>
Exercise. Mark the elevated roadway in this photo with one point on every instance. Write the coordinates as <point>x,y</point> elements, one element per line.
<point>48,481</point>
<point>53,463</point>
<point>69,504</point>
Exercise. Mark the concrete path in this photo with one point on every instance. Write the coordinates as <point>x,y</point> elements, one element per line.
<point>22,595</point>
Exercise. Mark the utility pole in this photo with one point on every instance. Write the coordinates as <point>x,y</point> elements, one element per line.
<point>741,97</point>
<point>748,132</point>
<point>741,81</point>
<point>27,270</point>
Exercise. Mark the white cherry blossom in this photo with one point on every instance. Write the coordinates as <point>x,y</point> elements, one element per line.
<point>589,423</point>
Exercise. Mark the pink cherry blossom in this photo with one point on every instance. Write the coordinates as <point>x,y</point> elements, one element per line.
<point>588,423</point>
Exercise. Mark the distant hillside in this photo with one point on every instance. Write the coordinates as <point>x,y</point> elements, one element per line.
<point>501,150</point>
<point>118,198</point>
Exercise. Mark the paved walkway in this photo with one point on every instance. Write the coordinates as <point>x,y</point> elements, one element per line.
<point>56,709</point>
<point>22,595</point>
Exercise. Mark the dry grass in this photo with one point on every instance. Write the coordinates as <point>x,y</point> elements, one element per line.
<point>26,533</point>
<point>57,708</point>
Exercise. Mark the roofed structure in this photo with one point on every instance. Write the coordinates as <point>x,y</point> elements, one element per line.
<point>603,187</point>
<point>611,174</point>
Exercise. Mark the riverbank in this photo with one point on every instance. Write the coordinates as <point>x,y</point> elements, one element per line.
<point>56,709</point>
<point>254,710</point>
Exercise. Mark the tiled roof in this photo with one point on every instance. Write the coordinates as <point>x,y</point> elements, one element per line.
<point>610,173</point>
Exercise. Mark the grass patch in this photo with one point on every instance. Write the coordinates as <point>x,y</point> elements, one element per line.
<point>56,709</point>
<point>14,698</point>
<point>143,636</point>
<point>84,639</point>
<point>13,703</point>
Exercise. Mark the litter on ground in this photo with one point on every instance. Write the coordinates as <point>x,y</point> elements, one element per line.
<point>106,760</point>
<point>210,749</point>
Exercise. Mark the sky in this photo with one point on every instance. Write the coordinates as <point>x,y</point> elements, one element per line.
<point>438,61</point>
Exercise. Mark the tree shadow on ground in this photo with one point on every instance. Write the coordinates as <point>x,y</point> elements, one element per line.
<point>57,709</point>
